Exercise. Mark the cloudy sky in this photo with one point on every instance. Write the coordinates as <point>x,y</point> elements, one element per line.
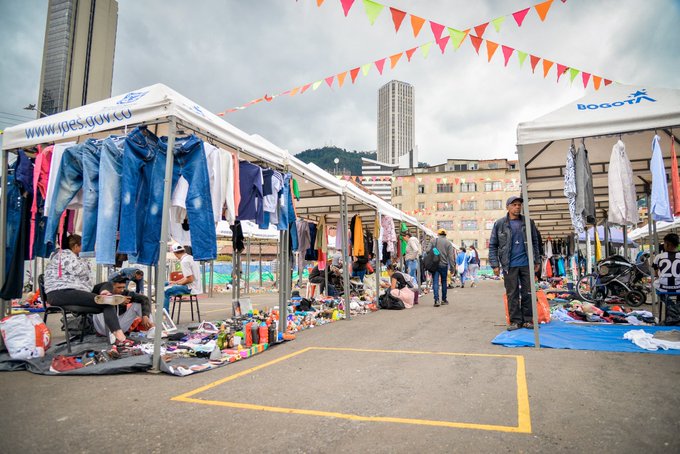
<point>223,53</point>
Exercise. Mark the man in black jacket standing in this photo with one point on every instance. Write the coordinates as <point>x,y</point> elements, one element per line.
<point>508,250</point>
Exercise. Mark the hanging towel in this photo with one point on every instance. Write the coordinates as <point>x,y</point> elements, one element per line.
<point>675,179</point>
<point>660,207</point>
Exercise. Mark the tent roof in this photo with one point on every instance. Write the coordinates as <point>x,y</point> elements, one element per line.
<point>634,113</point>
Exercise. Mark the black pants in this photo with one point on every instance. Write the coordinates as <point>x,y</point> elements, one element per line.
<point>518,290</point>
<point>73,297</point>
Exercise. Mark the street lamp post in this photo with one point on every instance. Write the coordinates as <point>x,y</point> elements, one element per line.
<point>336,161</point>
<point>33,107</point>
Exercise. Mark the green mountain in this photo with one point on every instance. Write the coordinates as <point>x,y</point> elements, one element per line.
<point>349,162</point>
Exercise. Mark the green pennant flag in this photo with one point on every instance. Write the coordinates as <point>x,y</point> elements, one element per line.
<point>457,37</point>
<point>426,49</point>
<point>316,84</point>
<point>498,22</point>
<point>572,74</point>
<point>373,10</point>
<point>366,68</point>
<point>522,56</point>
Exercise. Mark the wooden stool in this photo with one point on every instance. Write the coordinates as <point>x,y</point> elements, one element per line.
<point>186,298</point>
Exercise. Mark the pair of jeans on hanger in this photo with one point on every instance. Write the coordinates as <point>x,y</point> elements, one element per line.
<point>108,216</point>
<point>79,168</point>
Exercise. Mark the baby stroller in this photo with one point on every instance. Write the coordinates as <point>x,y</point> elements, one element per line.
<point>615,276</point>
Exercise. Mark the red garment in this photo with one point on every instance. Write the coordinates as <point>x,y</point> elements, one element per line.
<point>43,162</point>
<point>548,269</point>
<point>675,180</point>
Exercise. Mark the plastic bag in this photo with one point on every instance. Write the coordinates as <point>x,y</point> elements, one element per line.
<point>25,336</point>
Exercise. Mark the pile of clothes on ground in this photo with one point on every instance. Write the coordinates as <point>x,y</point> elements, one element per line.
<point>582,311</point>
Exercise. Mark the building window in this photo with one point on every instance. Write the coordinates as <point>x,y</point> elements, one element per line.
<point>493,186</point>
<point>489,225</point>
<point>446,225</point>
<point>421,189</point>
<point>470,224</point>
<point>513,166</point>
<point>397,191</point>
<point>444,206</point>
<point>493,204</point>
<point>445,187</point>
<point>468,243</point>
<point>469,205</point>
<point>460,167</point>
<point>421,205</point>
<point>468,187</point>
<point>493,165</point>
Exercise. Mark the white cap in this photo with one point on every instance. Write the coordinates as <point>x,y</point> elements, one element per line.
<point>177,248</point>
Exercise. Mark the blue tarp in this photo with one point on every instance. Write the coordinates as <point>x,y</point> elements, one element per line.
<point>576,336</point>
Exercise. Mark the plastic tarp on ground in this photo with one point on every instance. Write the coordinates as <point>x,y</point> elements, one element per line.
<point>577,336</point>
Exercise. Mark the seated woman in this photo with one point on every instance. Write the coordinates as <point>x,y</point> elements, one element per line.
<point>67,283</point>
<point>359,267</point>
<point>399,286</point>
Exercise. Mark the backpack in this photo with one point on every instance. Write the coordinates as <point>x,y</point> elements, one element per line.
<point>431,259</point>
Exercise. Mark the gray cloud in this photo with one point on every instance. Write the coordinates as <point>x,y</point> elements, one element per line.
<point>222,54</point>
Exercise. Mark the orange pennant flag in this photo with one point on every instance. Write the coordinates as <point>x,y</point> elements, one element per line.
<point>319,2</point>
<point>534,62</point>
<point>410,52</point>
<point>294,91</point>
<point>476,42</point>
<point>542,9</point>
<point>490,48</point>
<point>596,82</point>
<point>480,29</point>
<point>416,24</point>
<point>394,59</point>
<point>547,64</point>
<point>397,17</point>
<point>354,73</point>
<point>341,78</point>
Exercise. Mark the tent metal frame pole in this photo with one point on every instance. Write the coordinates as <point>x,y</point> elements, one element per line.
<point>149,276</point>
<point>233,279</point>
<point>589,250</point>
<point>238,276</point>
<point>211,278</point>
<point>260,261</point>
<point>377,270</point>
<point>625,241</point>
<point>606,238</point>
<point>203,282</point>
<point>3,225</point>
<point>161,265</point>
<point>247,266</point>
<point>345,259</point>
<point>328,263</point>
<point>283,281</point>
<point>282,319</point>
<point>656,251</point>
<point>530,242</point>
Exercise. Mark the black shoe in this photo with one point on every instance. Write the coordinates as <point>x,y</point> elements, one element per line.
<point>514,326</point>
<point>528,325</point>
<point>444,302</point>
<point>436,303</point>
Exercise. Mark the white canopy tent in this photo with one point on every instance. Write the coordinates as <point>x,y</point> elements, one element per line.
<point>661,226</point>
<point>633,113</point>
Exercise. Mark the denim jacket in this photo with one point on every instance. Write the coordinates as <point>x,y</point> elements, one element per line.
<point>500,242</point>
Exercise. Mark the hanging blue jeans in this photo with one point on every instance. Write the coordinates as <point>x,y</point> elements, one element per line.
<point>190,162</point>
<point>142,184</point>
<point>79,169</point>
<point>14,201</point>
<point>108,216</point>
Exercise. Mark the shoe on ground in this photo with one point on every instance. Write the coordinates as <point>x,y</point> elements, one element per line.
<point>444,302</point>
<point>62,363</point>
<point>436,303</point>
<point>514,326</point>
<point>528,325</point>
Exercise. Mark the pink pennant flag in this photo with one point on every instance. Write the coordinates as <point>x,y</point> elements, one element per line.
<point>410,52</point>
<point>380,64</point>
<point>329,80</point>
<point>305,88</point>
<point>443,42</point>
<point>507,53</point>
<point>346,5</point>
<point>586,77</point>
<point>480,29</point>
<point>561,69</point>
<point>437,30</point>
<point>520,15</point>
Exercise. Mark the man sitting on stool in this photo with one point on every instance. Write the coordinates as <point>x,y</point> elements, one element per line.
<point>190,283</point>
<point>127,313</point>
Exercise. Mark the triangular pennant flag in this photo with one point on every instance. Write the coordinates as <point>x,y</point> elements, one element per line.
<point>586,77</point>
<point>305,88</point>
<point>346,5</point>
<point>269,98</point>
<point>437,30</point>
<point>329,80</point>
<point>498,22</point>
<point>542,9</point>
<point>319,2</point>
<point>315,85</point>
<point>507,53</point>
<point>547,64</point>
<point>572,74</point>
<point>607,82</point>
<point>394,59</point>
<point>366,68</point>
<point>534,61</point>
<point>341,78</point>
<point>476,42</point>
<point>380,64</point>
<point>426,49</point>
<point>397,17</point>
<point>490,48</point>
<point>457,36</point>
<point>561,69</point>
<point>410,52</point>
<point>294,91</point>
<point>596,82</point>
<point>520,15</point>
<point>416,24</point>
<point>480,29</point>
<point>353,73</point>
<point>521,56</point>
<point>373,10</point>
<point>442,43</point>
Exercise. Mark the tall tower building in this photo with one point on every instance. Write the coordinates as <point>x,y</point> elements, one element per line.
<point>396,121</point>
<point>80,41</point>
